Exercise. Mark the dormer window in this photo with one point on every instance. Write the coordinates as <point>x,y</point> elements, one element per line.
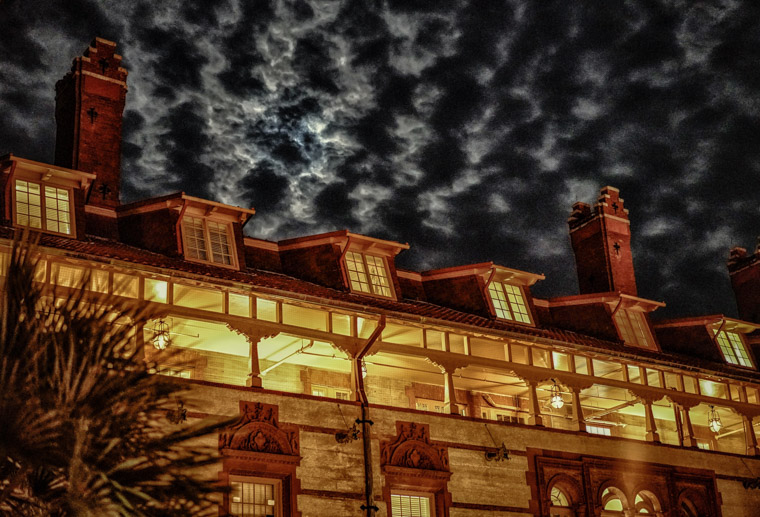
<point>208,241</point>
<point>368,274</point>
<point>43,207</point>
<point>508,302</point>
<point>732,346</point>
<point>633,328</point>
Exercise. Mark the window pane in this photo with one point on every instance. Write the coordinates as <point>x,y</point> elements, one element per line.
<point>28,204</point>
<point>195,242</point>
<point>252,499</point>
<point>220,246</point>
<point>499,299</point>
<point>57,210</point>
<point>378,276</point>
<point>356,273</point>
<point>517,303</point>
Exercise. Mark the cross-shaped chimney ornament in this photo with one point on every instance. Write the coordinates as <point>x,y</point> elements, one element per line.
<point>103,65</point>
<point>617,248</point>
<point>615,207</point>
<point>104,190</point>
<point>93,115</point>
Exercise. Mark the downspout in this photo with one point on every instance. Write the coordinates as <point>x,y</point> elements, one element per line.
<point>368,507</point>
<point>177,227</point>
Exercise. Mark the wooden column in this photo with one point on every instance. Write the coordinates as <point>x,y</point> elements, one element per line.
<point>533,406</point>
<point>449,395</point>
<point>688,430</point>
<point>651,427</point>
<point>681,407</point>
<point>578,421</point>
<point>749,436</point>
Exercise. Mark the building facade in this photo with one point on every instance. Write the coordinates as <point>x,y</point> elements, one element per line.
<point>365,389</point>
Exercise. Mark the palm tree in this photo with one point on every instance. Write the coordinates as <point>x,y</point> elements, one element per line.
<point>83,418</point>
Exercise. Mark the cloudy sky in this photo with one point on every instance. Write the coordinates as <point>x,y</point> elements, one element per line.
<point>467,129</point>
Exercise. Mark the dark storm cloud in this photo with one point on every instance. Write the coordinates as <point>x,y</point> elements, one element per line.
<point>467,129</point>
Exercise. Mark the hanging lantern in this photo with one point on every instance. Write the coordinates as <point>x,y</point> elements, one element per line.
<point>160,335</point>
<point>713,420</point>
<point>556,396</point>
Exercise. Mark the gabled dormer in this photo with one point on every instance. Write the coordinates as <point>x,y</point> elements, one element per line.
<point>44,197</point>
<point>180,225</point>
<point>715,338</point>
<point>344,260</point>
<point>485,289</point>
<point>610,316</point>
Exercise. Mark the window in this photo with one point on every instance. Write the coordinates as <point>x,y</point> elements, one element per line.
<point>560,504</point>
<point>508,302</point>
<point>368,274</point>
<point>251,497</point>
<point>207,241</point>
<point>411,505</point>
<point>733,349</point>
<point>43,206</point>
<point>633,328</point>
<point>598,429</point>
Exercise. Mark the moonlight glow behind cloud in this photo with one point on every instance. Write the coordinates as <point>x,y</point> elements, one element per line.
<point>467,129</point>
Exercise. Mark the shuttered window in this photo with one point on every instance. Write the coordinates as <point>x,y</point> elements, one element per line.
<point>207,241</point>
<point>733,349</point>
<point>407,505</point>
<point>368,274</point>
<point>43,207</point>
<point>633,328</point>
<point>508,302</point>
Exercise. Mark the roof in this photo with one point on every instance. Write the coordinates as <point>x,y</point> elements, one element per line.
<point>100,249</point>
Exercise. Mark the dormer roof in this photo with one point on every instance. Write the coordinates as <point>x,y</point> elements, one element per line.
<point>70,177</point>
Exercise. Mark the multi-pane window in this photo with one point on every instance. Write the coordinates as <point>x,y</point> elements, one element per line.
<point>733,348</point>
<point>508,302</point>
<point>254,499</point>
<point>597,429</point>
<point>407,505</point>
<point>44,207</point>
<point>207,241</point>
<point>633,328</point>
<point>367,274</point>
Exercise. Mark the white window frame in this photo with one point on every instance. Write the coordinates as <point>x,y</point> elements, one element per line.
<point>207,242</point>
<point>598,430</point>
<point>43,210</point>
<point>409,493</point>
<point>277,483</point>
<point>500,287</point>
<point>373,289</point>
<point>732,346</point>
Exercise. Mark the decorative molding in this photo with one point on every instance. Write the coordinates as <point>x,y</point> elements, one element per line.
<point>413,449</point>
<point>258,430</point>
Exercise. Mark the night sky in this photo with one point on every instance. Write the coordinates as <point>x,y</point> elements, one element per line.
<point>467,129</point>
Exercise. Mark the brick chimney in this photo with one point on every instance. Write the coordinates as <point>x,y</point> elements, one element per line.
<point>601,240</point>
<point>744,271</point>
<point>88,114</point>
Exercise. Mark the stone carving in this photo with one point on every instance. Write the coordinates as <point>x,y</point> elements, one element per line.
<point>258,430</point>
<point>413,449</point>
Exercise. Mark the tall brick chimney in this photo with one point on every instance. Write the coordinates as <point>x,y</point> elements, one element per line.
<point>601,240</point>
<point>744,271</point>
<point>88,114</point>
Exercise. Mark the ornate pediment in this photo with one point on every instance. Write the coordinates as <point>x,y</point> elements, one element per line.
<point>259,430</point>
<point>412,448</point>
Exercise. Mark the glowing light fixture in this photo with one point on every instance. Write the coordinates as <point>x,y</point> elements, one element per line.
<point>713,420</point>
<point>160,335</point>
<point>364,369</point>
<point>556,396</point>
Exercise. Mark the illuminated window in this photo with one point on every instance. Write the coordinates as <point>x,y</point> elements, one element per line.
<point>560,504</point>
<point>254,497</point>
<point>411,505</point>
<point>733,349</point>
<point>558,497</point>
<point>508,302</point>
<point>43,207</point>
<point>633,328</point>
<point>598,429</point>
<point>368,274</point>
<point>207,241</point>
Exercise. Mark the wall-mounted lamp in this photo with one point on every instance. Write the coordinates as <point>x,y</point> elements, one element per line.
<point>556,396</point>
<point>502,454</point>
<point>349,435</point>
<point>713,420</point>
<point>160,338</point>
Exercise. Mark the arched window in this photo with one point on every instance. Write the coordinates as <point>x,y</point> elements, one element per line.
<point>646,503</point>
<point>560,503</point>
<point>614,502</point>
<point>686,509</point>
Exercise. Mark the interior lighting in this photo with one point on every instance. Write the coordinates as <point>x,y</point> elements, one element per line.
<point>160,335</point>
<point>713,420</point>
<point>556,396</point>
